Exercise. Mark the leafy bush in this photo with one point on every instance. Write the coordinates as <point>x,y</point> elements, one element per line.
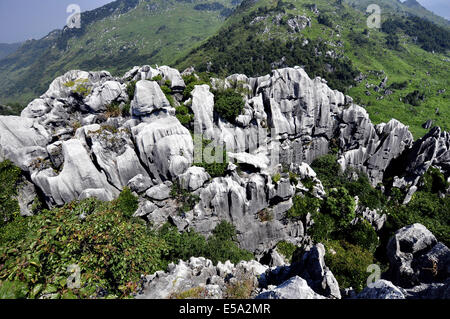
<point>348,263</point>
<point>13,290</point>
<point>229,104</point>
<point>323,227</point>
<point>414,98</point>
<point>126,203</point>
<point>221,246</point>
<point>328,170</point>
<point>184,115</point>
<point>302,206</point>
<point>286,249</point>
<point>111,250</point>
<point>363,234</point>
<point>276,178</point>
<point>368,196</point>
<point>341,206</point>
<point>187,199</point>
<point>113,109</point>
<point>191,81</point>
<point>219,165</point>
<point>433,181</point>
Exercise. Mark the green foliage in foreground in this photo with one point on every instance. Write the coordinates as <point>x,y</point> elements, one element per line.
<point>348,263</point>
<point>111,248</point>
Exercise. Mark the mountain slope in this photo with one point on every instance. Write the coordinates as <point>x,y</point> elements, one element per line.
<point>8,48</point>
<point>332,41</point>
<point>114,37</point>
<point>409,7</point>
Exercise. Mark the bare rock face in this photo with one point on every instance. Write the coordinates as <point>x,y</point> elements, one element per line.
<point>416,257</point>
<point>22,141</point>
<point>105,94</point>
<point>165,146</point>
<point>78,177</point>
<point>381,289</point>
<point>174,76</point>
<point>199,278</point>
<point>149,98</point>
<point>194,178</point>
<point>293,288</point>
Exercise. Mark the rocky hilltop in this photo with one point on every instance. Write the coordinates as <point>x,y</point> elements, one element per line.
<point>91,135</point>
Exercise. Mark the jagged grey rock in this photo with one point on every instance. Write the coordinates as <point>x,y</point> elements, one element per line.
<point>159,192</point>
<point>194,178</point>
<point>22,141</point>
<point>413,254</point>
<point>78,175</point>
<point>381,289</point>
<point>165,146</point>
<point>293,288</point>
<point>149,98</point>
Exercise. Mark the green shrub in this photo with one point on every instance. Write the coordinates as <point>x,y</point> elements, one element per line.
<point>433,181</point>
<point>184,115</point>
<point>228,104</point>
<point>323,227</point>
<point>157,78</point>
<point>218,166</point>
<point>276,178</point>
<point>328,170</point>
<point>191,81</point>
<point>13,290</point>
<point>126,110</point>
<point>363,234</point>
<point>341,206</point>
<point>131,89</point>
<point>168,93</point>
<point>185,198</point>
<point>127,203</point>
<point>302,206</point>
<point>286,249</point>
<point>113,109</point>
<point>111,250</point>
<point>221,246</point>
<point>368,196</point>
<point>348,263</point>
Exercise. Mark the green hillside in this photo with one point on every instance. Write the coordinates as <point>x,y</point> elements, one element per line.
<point>114,37</point>
<point>338,46</point>
<point>8,48</point>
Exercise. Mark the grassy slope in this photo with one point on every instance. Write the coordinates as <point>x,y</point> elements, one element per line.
<point>156,31</point>
<point>423,70</point>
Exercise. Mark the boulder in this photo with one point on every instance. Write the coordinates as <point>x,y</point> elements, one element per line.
<point>165,146</point>
<point>159,192</point>
<point>381,289</point>
<point>22,141</point>
<point>194,178</point>
<point>405,249</point>
<point>149,98</point>
<point>294,288</point>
